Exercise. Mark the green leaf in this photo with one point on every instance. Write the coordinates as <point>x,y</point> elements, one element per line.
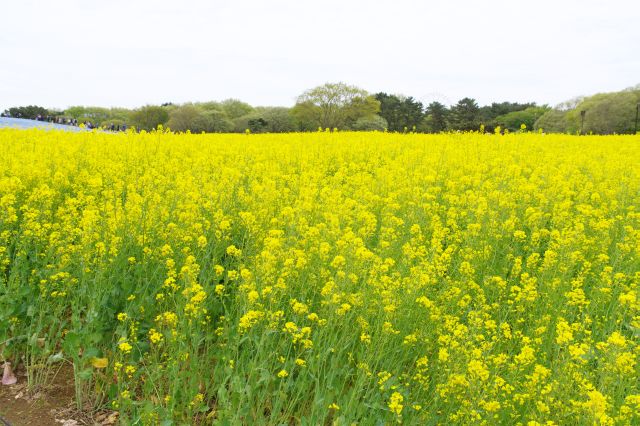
<point>91,353</point>
<point>71,345</point>
<point>55,358</point>
<point>85,374</point>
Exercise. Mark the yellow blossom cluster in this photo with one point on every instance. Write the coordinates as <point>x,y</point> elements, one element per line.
<point>328,278</point>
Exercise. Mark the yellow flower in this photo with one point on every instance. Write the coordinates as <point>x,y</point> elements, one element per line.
<point>343,309</point>
<point>491,406</point>
<point>218,269</point>
<point>564,332</point>
<point>625,363</point>
<point>99,362</point>
<point>248,320</point>
<point>125,347</point>
<point>395,403</point>
<point>155,336</point>
<point>253,296</point>
<point>596,405</point>
<point>299,307</point>
<point>443,355</point>
<point>519,235</point>
<point>617,339</point>
<point>410,339</point>
<point>234,251</point>
<point>526,356</point>
<point>508,260</point>
<point>478,370</point>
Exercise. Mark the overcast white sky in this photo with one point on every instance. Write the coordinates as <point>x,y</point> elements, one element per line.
<point>129,53</point>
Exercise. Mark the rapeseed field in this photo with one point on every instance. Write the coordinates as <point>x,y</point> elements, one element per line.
<point>326,278</point>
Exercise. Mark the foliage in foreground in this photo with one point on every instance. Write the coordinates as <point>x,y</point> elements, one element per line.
<point>320,277</point>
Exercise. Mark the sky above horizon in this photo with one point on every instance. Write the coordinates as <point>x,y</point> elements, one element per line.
<point>132,53</point>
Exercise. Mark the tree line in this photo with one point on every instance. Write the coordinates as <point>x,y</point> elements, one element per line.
<point>345,107</point>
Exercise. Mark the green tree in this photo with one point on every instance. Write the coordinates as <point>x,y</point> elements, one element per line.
<point>513,120</point>
<point>198,118</point>
<point>400,112</point>
<point>30,112</point>
<point>371,122</point>
<point>489,113</point>
<point>606,113</point>
<point>183,117</point>
<point>234,108</point>
<point>98,115</point>
<point>278,119</point>
<point>149,117</point>
<point>266,120</point>
<point>553,121</point>
<point>435,120</point>
<point>209,106</point>
<point>76,111</point>
<point>122,114</point>
<point>211,122</point>
<point>334,105</point>
<point>465,115</point>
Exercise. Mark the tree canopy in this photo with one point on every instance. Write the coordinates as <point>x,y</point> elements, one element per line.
<point>401,113</point>
<point>334,105</point>
<point>347,107</point>
<point>435,120</point>
<point>604,113</point>
<point>29,112</point>
<point>149,117</point>
<point>465,115</point>
<point>515,119</point>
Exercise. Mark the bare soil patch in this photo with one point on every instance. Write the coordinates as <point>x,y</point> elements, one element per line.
<point>53,406</point>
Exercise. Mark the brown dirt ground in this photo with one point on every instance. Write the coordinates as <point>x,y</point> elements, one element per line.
<point>49,407</point>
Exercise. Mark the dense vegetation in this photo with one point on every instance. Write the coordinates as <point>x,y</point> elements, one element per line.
<point>326,277</point>
<point>337,105</point>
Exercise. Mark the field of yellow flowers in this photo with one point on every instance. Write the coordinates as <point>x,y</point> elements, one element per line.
<point>319,278</point>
